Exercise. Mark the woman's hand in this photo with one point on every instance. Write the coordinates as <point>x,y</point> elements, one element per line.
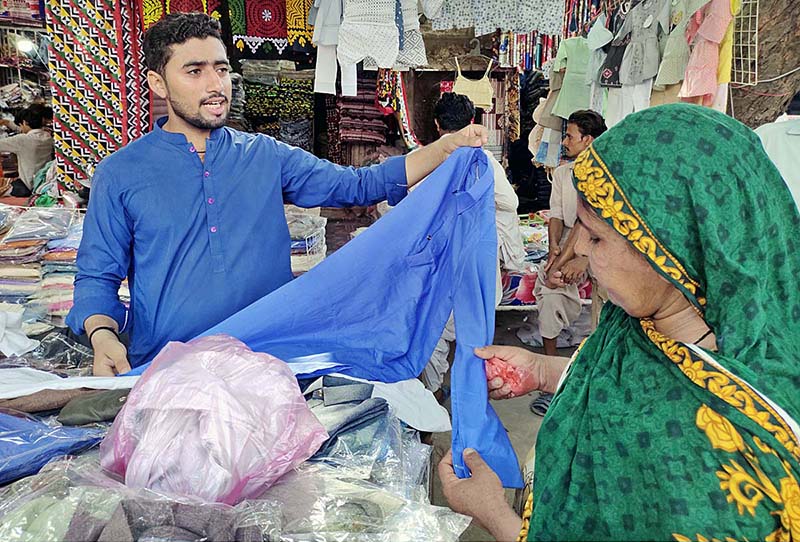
<point>481,496</point>
<point>513,372</point>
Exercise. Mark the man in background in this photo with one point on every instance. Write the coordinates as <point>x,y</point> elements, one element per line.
<point>33,146</point>
<point>454,112</point>
<point>560,305</point>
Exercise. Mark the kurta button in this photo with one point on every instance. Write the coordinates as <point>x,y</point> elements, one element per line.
<point>191,149</point>
<point>211,201</point>
<point>207,173</point>
<point>213,229</point>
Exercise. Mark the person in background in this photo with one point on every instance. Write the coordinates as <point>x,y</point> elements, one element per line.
<point>781,140</point>
<point>559,302</point>
<point>192,212</point>
<point>33,146</point>
<point>454,112</point>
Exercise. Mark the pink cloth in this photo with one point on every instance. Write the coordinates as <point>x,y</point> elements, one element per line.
<point>701,72</point>
<point>211,419</point>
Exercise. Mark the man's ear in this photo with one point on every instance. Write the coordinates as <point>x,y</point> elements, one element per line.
<point>157,84</point>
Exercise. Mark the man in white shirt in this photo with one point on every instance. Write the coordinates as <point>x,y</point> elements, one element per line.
<point>781,140</point>
<point>452,113</point>
<point>33,147</point>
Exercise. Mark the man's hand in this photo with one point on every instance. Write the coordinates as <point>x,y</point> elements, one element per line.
<point>555,252</point>
<point>480,496</point>
<point>110,355</point>
<point>574,271</point>
<point>473,135</point>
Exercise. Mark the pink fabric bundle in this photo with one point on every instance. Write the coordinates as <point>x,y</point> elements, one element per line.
<point>213,420</point>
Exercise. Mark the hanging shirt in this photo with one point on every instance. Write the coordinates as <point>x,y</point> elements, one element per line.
<point>201,241</point>
<point>377,314</point>
<point>781,140</point>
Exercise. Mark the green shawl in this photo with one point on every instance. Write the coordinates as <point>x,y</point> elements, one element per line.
<point>646,440</point>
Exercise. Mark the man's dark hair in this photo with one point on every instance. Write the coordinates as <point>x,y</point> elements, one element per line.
<point>453,111</point>
<point>174,29</point>
<point>589,123</point>
<point>34,115</point>
<point>794,105</point>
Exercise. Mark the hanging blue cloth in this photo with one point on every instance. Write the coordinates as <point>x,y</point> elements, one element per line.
<point>376,308</point>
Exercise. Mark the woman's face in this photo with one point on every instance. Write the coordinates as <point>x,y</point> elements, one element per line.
<point>631,282</point>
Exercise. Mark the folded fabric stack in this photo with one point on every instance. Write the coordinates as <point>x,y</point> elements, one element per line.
<point>359,119</point>
<point>58,270</point>
<point>19,282</point>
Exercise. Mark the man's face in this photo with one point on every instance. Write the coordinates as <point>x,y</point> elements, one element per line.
<point>197,83</point>
<point>574,142</point>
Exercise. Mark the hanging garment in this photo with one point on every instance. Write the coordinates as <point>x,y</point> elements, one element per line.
<point>644,24</point>
<point>597,39</point>
<point>368,30</point>
<point>704,62</point>
<point>546,118</point>
<point>724,71</point>
<point>573,55</point>
<point>626,100</point>
<point>609,74</point>
<point>454,14</point>
<point>676,49</point>
<point>26,445</point>
<point>480,91</point>
<point>443,260</point>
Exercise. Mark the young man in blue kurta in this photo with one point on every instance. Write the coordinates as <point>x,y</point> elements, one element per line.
<point>192,213</point>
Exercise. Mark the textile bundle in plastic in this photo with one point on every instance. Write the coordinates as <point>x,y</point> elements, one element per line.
<point>213,420</point>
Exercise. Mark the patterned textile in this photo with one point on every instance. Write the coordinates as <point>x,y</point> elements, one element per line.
<point>299,32</point>
<point>98,104</point>
<point>259,25</point>
<point>654,439</point>
<point>155,10</point>
<point>512,107</point>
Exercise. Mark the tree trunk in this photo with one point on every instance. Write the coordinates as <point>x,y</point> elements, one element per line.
<point>778,53</point>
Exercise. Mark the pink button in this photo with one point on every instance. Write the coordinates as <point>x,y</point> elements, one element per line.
<point>191,149</point>
<point>213,229</point>
<point>207,173</point>
<point>211,201</point>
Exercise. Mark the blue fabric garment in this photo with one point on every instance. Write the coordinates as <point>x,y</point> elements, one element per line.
<point>377,313</point>
<point>27,445</point>
<point>201,241</point>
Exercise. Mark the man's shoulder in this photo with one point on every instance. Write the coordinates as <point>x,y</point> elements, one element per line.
<point>563,173</point>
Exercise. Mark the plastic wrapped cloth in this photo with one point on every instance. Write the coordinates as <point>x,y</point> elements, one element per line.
<point>27,444</point>
<point>41,224</point>
<point>56,354</point>
<point>199,423</point>
<point>319,504</point>
<point>72,500</point>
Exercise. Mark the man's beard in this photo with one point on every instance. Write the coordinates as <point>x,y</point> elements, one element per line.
<point>197,120</point>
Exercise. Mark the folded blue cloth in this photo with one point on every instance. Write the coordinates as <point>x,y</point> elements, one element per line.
<point>26,445</point>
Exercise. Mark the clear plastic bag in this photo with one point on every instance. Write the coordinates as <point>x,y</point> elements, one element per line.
<point>213,420</point>
<point>319,503</point>
<point>72,499</point>
<point>27,443</point>
<point>40,224</point>
<point>57,354</point>
<point>8,214</point>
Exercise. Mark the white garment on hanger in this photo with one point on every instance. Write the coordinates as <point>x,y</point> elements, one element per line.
<point>326,70</point>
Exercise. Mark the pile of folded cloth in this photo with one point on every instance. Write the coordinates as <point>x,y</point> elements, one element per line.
<point>58,270</point>
<point>360,119</point>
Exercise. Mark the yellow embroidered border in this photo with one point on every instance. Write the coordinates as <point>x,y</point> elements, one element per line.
<point>726,386</point>
<point>603,192</point>
<point>527,512</point>
<point>749,488</point>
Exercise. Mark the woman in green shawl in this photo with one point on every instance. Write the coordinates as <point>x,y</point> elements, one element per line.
<point>675,420</point>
